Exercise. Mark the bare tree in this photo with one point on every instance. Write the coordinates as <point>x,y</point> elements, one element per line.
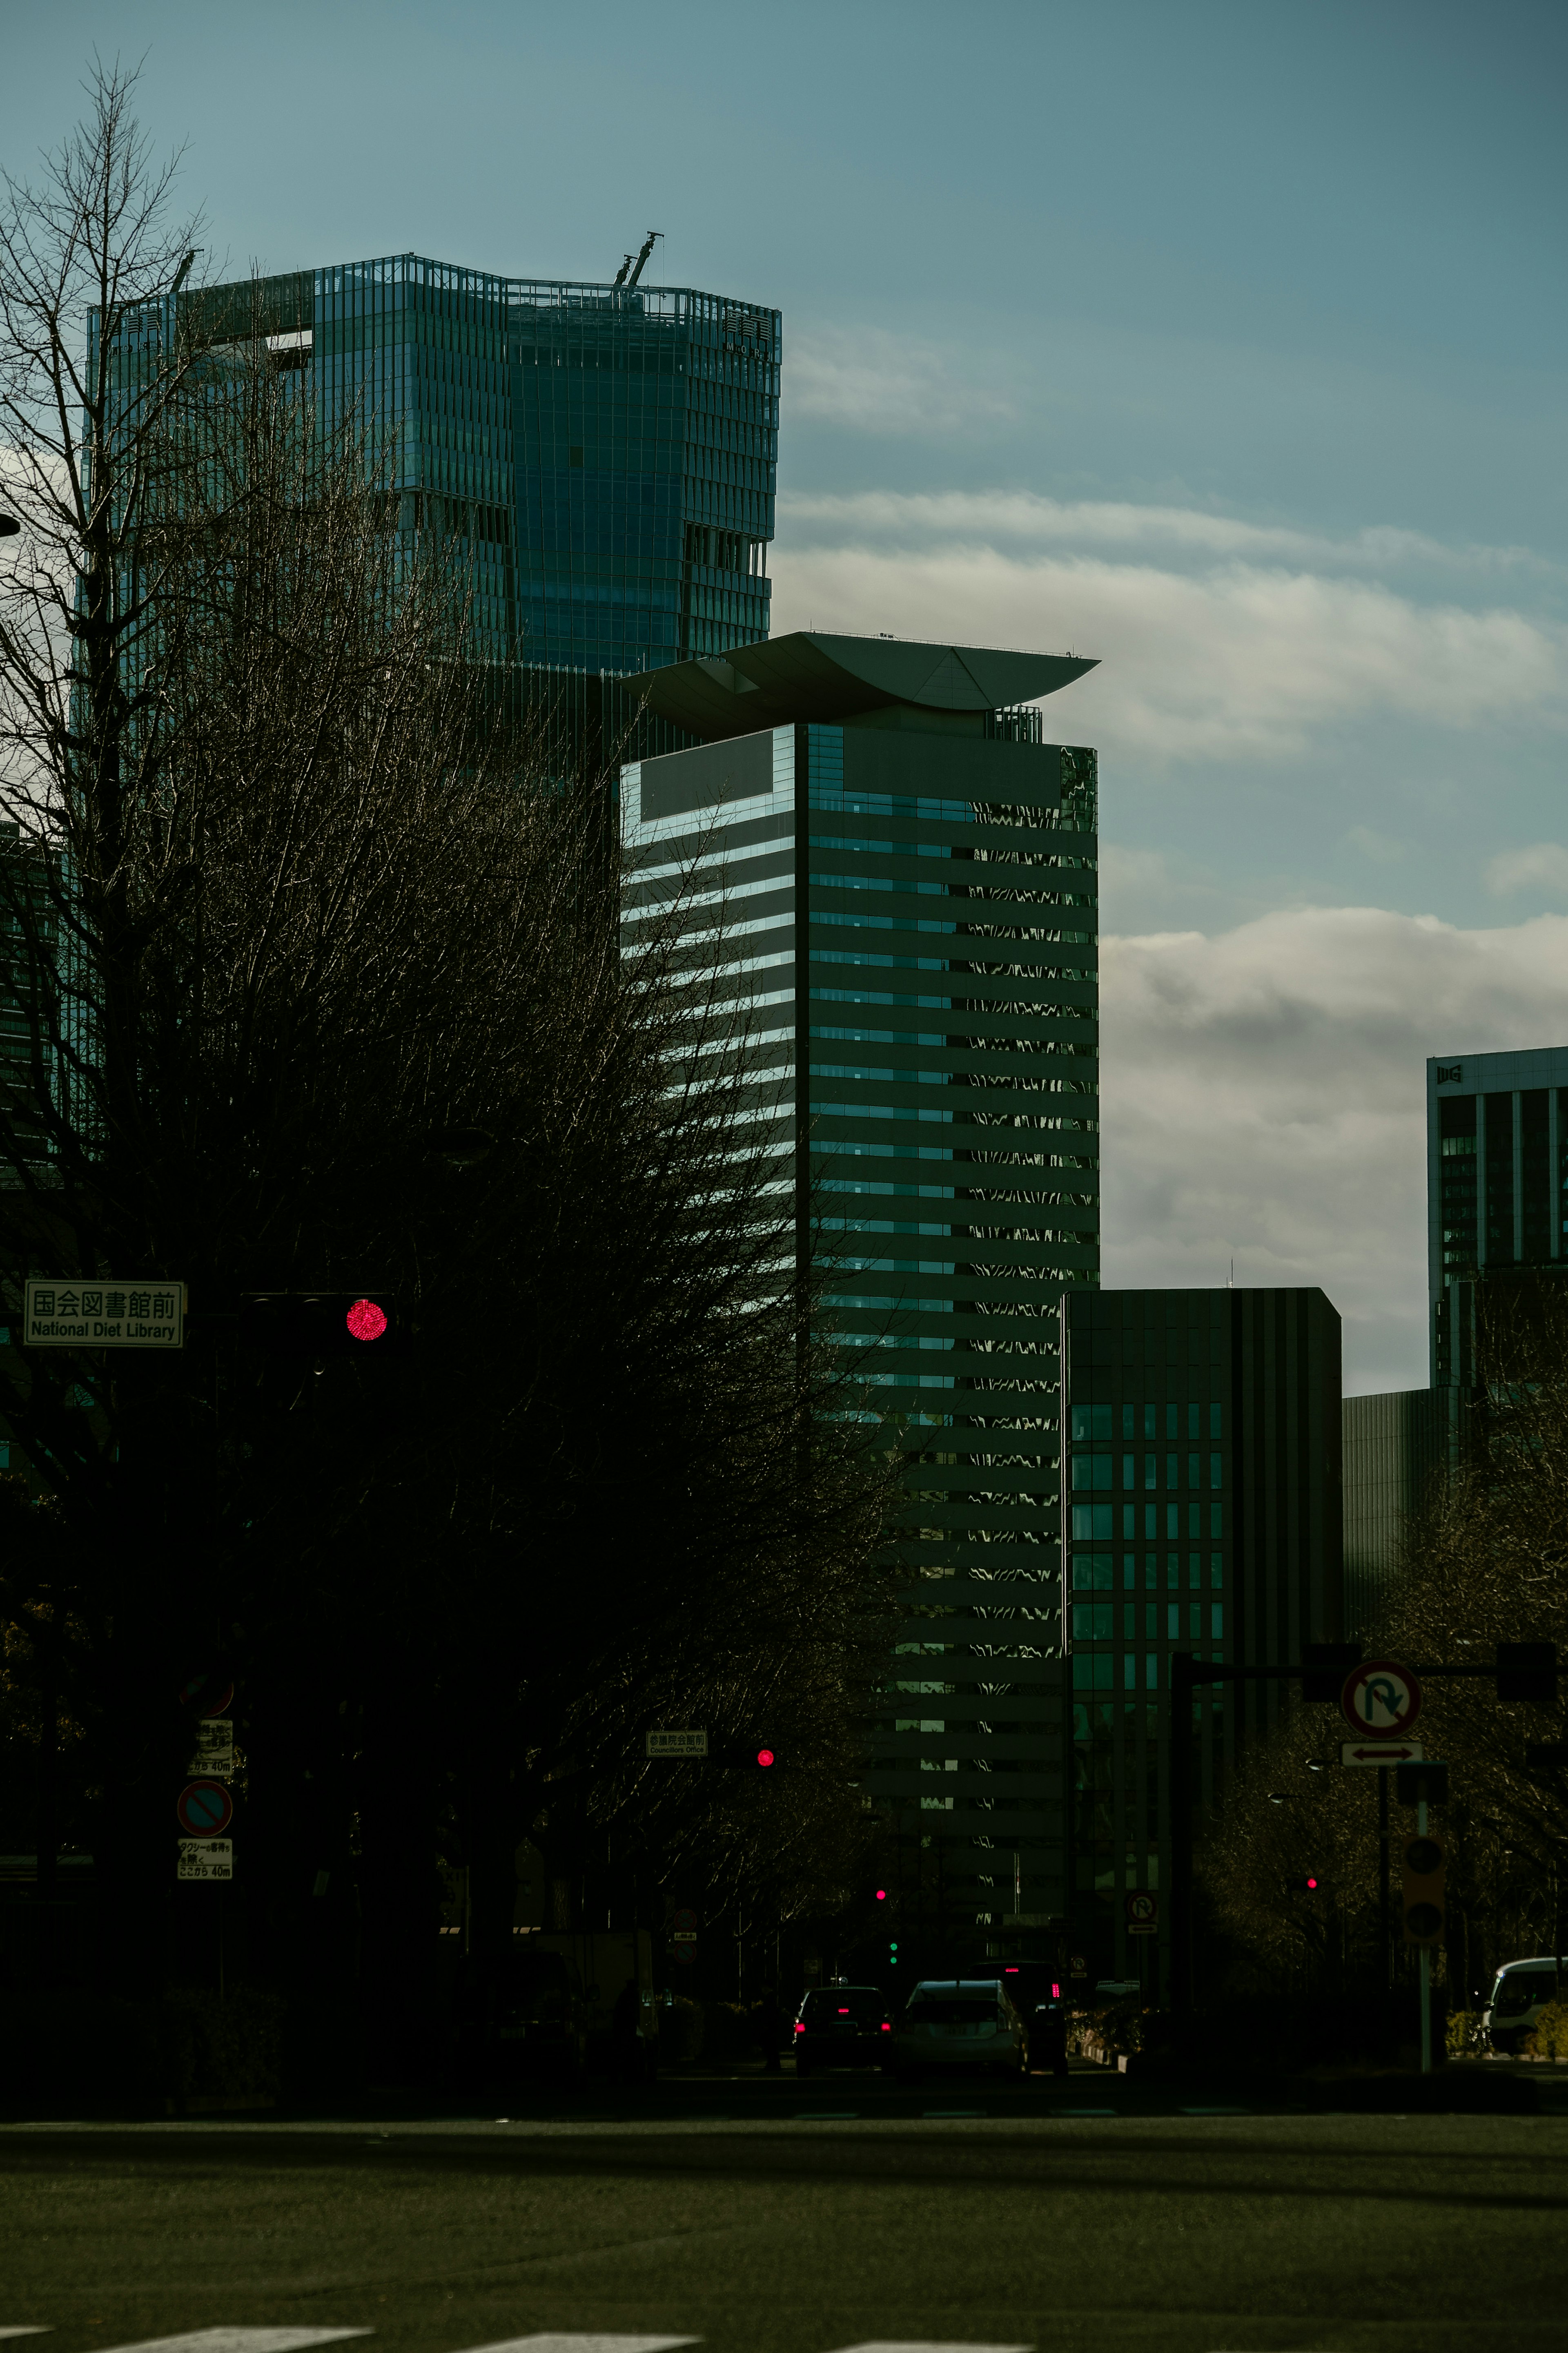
<point>321,987</point>
<point>1483,1561</point>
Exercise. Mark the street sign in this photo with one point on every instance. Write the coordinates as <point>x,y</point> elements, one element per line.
<point>684,1923</point>
<point>1381,1752</point>
<point>203,1858</point>
<point>1142,1913</point>
<point>678,1744</point>
<point>59,1312</point>
<point>1381,1698</point>
<point>1027,1919</point>
<point>204,1808</point>
<point>215,1748</point>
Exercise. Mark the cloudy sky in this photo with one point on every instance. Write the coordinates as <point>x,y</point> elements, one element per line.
<point>1223,341</point>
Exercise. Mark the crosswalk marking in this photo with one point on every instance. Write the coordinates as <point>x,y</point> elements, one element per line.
<point>577,2341</point>
<point>930,2344</point>
<point>240,2340</point>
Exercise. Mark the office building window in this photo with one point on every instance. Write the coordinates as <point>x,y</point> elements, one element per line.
<point>1217,1519</point>
<point>1214,1429</point>
<point>1217,1570</point>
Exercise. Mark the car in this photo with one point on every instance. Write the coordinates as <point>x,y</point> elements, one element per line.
<point>1520,1992</point>
<point>1038,1992</point>
<point>842,2026</point>
<point>961,2022</point>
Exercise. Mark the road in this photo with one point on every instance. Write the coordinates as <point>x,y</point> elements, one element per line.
<point>735,2217</point>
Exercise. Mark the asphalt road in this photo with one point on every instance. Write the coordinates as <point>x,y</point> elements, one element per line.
<point>766,2226</point>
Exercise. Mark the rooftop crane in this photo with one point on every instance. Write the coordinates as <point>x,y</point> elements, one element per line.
<point>647,245</point>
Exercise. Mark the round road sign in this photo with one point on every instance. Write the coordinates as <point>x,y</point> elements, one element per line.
<point>205,1809</point>
<point>1381,1697</point>
<point>1142,1910</point>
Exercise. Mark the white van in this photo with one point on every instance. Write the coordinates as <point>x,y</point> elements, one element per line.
<point>1520,1992</point>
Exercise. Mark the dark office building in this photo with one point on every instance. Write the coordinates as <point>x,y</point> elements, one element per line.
<point>1496,1227</point>
<point>606,455</point>
<point>1201,1512</point>
<point>908,875</point>
<point>1497,1185</point>
<point>1394,1444</point>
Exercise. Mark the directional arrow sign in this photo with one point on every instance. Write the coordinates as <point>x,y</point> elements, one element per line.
<point>1385,1752</point>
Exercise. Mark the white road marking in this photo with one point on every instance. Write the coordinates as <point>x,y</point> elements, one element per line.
<point>568,2340</point>
<point>26,2329</point>
<point>930,2344</point>
<point>240,2340</point>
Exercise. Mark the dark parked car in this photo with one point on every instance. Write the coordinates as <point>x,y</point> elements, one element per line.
<point>843,2026</point>
<point>1039,1991</point>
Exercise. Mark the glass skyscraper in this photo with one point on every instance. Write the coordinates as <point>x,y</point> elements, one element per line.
<point>1496,1183</point>
<point>909,877</point>
<point>607,455</point>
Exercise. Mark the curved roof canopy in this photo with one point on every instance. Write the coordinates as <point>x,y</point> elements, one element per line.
<point>805,676</point>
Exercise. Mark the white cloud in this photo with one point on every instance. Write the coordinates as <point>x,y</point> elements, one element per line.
<point>870,518</point>
<point>878,383</point>
<point>1235,662</point>
<point>1264,1099</point>
<point>1543,867</point>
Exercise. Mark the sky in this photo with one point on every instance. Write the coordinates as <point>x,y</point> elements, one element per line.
<point>1225,343</point>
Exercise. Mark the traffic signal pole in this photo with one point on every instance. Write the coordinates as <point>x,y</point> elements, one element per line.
<point>1426,1958</point>
<point>1522,1671</point>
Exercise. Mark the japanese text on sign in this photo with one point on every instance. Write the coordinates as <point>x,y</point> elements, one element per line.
<point>678,1744</point>
<point>206,1859</point>
<point>67,1314</point>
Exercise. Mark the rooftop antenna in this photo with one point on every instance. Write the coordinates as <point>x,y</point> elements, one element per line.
<point>647,245</point>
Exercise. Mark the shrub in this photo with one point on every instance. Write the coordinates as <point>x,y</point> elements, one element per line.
<point>1549,2039</point>
<point>1464,2032</point>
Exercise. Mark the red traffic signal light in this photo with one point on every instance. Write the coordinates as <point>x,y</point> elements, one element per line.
<point>1310,1885</point>
<point>881,1895</point>
<point>764,1758</point>
<point>317,1325</point>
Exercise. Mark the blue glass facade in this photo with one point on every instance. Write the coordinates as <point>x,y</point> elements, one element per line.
<point>609,455</point>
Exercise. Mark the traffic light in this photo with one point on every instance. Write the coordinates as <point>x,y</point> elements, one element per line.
<point>314,1326</point>
<point>1421,1784</point>
<point>1527,1671</point>
<point>1326,1665</point>
<point>1423,1862</point>
<point>892,1952</point>
<point>1308,1886</point>
<point>757,1755</point>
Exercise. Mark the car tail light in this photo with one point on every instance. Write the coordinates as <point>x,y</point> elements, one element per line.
<point>800,2030</point>
<point>887,2029</point>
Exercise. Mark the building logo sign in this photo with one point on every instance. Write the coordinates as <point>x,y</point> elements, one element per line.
<point>1451,1073</point>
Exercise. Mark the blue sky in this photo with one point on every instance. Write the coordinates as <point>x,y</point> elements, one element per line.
<point>1225,342</point>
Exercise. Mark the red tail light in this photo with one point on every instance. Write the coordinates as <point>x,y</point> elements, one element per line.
<point>800,2030</point>
<point>885,2027</point>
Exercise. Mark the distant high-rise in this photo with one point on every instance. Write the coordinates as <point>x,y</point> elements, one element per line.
<point>608,453</point>
<point>1497,1214</point>
<point>1497,1164</point>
